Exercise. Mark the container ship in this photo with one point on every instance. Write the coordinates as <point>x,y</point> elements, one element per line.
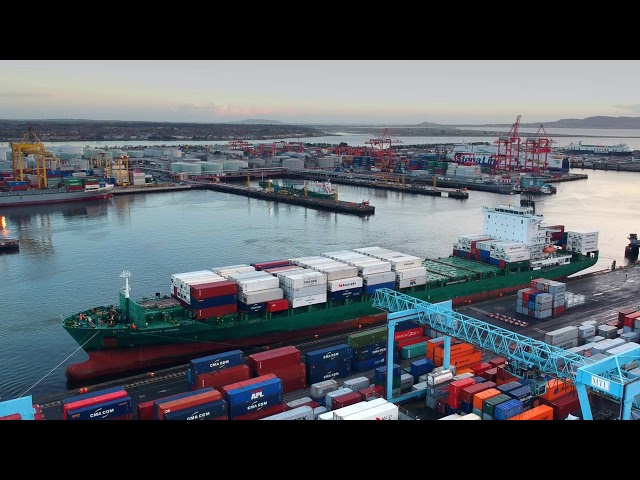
<point>266,303</point>
<point>32,196</point>
<point>580,148</point>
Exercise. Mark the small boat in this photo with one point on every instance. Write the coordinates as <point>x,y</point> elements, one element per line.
<point>9,244</point>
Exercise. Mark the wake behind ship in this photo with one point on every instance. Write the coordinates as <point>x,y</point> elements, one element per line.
<point>262,303</point>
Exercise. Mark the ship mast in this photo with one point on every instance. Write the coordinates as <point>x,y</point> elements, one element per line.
<point>126,274</point>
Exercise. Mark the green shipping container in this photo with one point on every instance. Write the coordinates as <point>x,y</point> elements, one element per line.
<point>360,339</point>
<point>489,405</point>
<point>395,383</point>
<point>414,350</point>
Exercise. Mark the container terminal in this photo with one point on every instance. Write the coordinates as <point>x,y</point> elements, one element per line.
<point>606,295</point>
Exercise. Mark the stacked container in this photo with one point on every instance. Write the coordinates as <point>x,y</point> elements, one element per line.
<point>107,404</point>
<point>582,241</point>
<point>375,273</point>
<point>328,363</point>
<point>257,290</point>
<point>304,288</point>
<point>254,398</point>
<point>285,363</point>
<point>206,293</point>
<point>566,337</point>
<point>218,370</point>
<point>369,349</point>
<point>189,404</point>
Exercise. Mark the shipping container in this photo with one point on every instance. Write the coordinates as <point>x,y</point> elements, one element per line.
<point>193,398</point>
<point>107,410</point>
<point>303,412</point>
<point>387,411</point>
<point>541,412</point>
<point>340,413</point>
<point>268,360</point>
<point>215,410</point>
<point>216,362</point>
<point>92,398</point>
<point>220,378</point>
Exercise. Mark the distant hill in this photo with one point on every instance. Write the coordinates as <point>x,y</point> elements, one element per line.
<point>257,121</point>
<point>589,122</point>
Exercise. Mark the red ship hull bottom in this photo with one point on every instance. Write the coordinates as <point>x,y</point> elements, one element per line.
<point>120,361</point>
<point>107,363</point>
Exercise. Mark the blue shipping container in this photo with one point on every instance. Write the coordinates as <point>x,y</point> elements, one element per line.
<point>370,351</point>
<point>505,387</point>
<point>364,365</point>
<point>370,289</point>
<point>254,392</point>
<point>214,301</point>
<point>465,407</point>
<point>216,362</point>
<point>206,411</point>
<point>333,365</point>
<point>252,307</point>
<point>380,374</point>
<point>508,409</point>
<point>406,325</point>
<point>327,354</point>
<point>342,294</point>
<point>320,375</point>
<point>421,367</point>
<point>103,410</point>
<point>479,379</point>
<point>238,409</point>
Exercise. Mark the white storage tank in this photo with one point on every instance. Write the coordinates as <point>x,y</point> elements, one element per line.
<point>257,162</point>
<point>234,165</point>
<point>5,155</point>
<point>326,162</point>
<point>176,166</point>
<point>135,154</point>
<point>191,168</point>
<point>70,149</point>
<point>293,163</point>
<point>211,167</point>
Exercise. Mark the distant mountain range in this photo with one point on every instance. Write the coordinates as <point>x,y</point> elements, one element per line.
<point>589,122</point>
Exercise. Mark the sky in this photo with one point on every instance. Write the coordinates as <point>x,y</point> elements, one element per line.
<point>383,92</point>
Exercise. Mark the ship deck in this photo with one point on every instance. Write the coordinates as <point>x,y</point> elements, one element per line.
<point>606,293</point>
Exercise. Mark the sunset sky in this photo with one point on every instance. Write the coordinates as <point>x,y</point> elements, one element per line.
<point>458,92</point>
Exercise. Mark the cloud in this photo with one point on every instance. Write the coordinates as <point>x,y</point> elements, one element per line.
<point>628,108</point>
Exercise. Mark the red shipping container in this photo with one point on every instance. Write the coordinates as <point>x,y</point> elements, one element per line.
<point>368,393</point>
<point>12,416</point>
<point>409,333</point>
<point>564,406</point>
<point>455,390</point>
<point>145,410</point>
<point>204,291</point>
<point>216,311</point>
<point>269,360</point>
<point>38,416</point>
<point>480,368</point>
<point>410,341</point>
<point>345,400</point>
<point>468,392</point>
<point>243,383</point>
<point>277,305</point>
<point>490,375</point>
<point>625,312</point>
<point>558,310</point>
<point>294,377</point>
<point>497,362</point>
<point>265,412</point>
<point>186,402</point>
<point>273,264</point>
<point>615,323</point>
<point>220,378</point>
<point>629,320</point>
<point>310,403</point>
<point>91,401</point>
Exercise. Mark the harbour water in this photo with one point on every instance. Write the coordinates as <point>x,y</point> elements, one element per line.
<point>71,256</point>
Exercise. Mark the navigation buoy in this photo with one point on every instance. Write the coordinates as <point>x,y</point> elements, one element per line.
<point>152,374</point>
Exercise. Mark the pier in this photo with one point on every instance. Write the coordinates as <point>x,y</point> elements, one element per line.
<point>9,244</point>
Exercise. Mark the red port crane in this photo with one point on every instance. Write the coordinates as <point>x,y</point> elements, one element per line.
<point>508,149</point>
<point>381,146</point>
<point>536,150</point>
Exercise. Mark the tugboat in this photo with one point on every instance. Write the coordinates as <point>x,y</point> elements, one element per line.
<point>631,250</point>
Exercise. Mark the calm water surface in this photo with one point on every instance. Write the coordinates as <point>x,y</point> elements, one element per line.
<point>71,256</point>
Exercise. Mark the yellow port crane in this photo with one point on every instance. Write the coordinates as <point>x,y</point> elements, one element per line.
<point>31,145</point>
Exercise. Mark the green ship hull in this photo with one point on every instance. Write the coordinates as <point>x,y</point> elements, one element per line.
<point>155,332</point>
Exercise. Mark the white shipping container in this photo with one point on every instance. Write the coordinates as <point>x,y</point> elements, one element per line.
<point>357,384</point>
<point>517,257</point>
<point>304,291</point>
<point>412,282</point>
<point>375,266</point>
<point>308,300</point>
<point>298,402</point>
<point>561,335</point>
<point>338,272</point>
<point>403,274</point>
<point>256,284</point>
<point>319,389</point>
<point>344,284</point>
<point>306,279</point>
<point>288,273</point>
<point>261,296</point>
<point>177,276</point>
<point>325,416</point>
<point>402,263</point>
<point>296,261</point>
<point>304,412</point>
<point>224,271</point>
<point>378,278</point>
<point>319,411</point>
<point>245,275</point>
<point>341,413</point>
<point>388,411</point>
<point>470,416</point>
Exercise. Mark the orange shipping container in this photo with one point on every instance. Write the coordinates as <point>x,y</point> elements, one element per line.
<point>480,397</point>
<point>541,412</point>
<point>557,388</point>
<point>454,349</point>
<point>438,355</point>
<point>462,360</point>
<point>431,346</point>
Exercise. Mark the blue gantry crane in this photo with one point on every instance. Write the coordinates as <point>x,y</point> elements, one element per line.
<point>616,377</point>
